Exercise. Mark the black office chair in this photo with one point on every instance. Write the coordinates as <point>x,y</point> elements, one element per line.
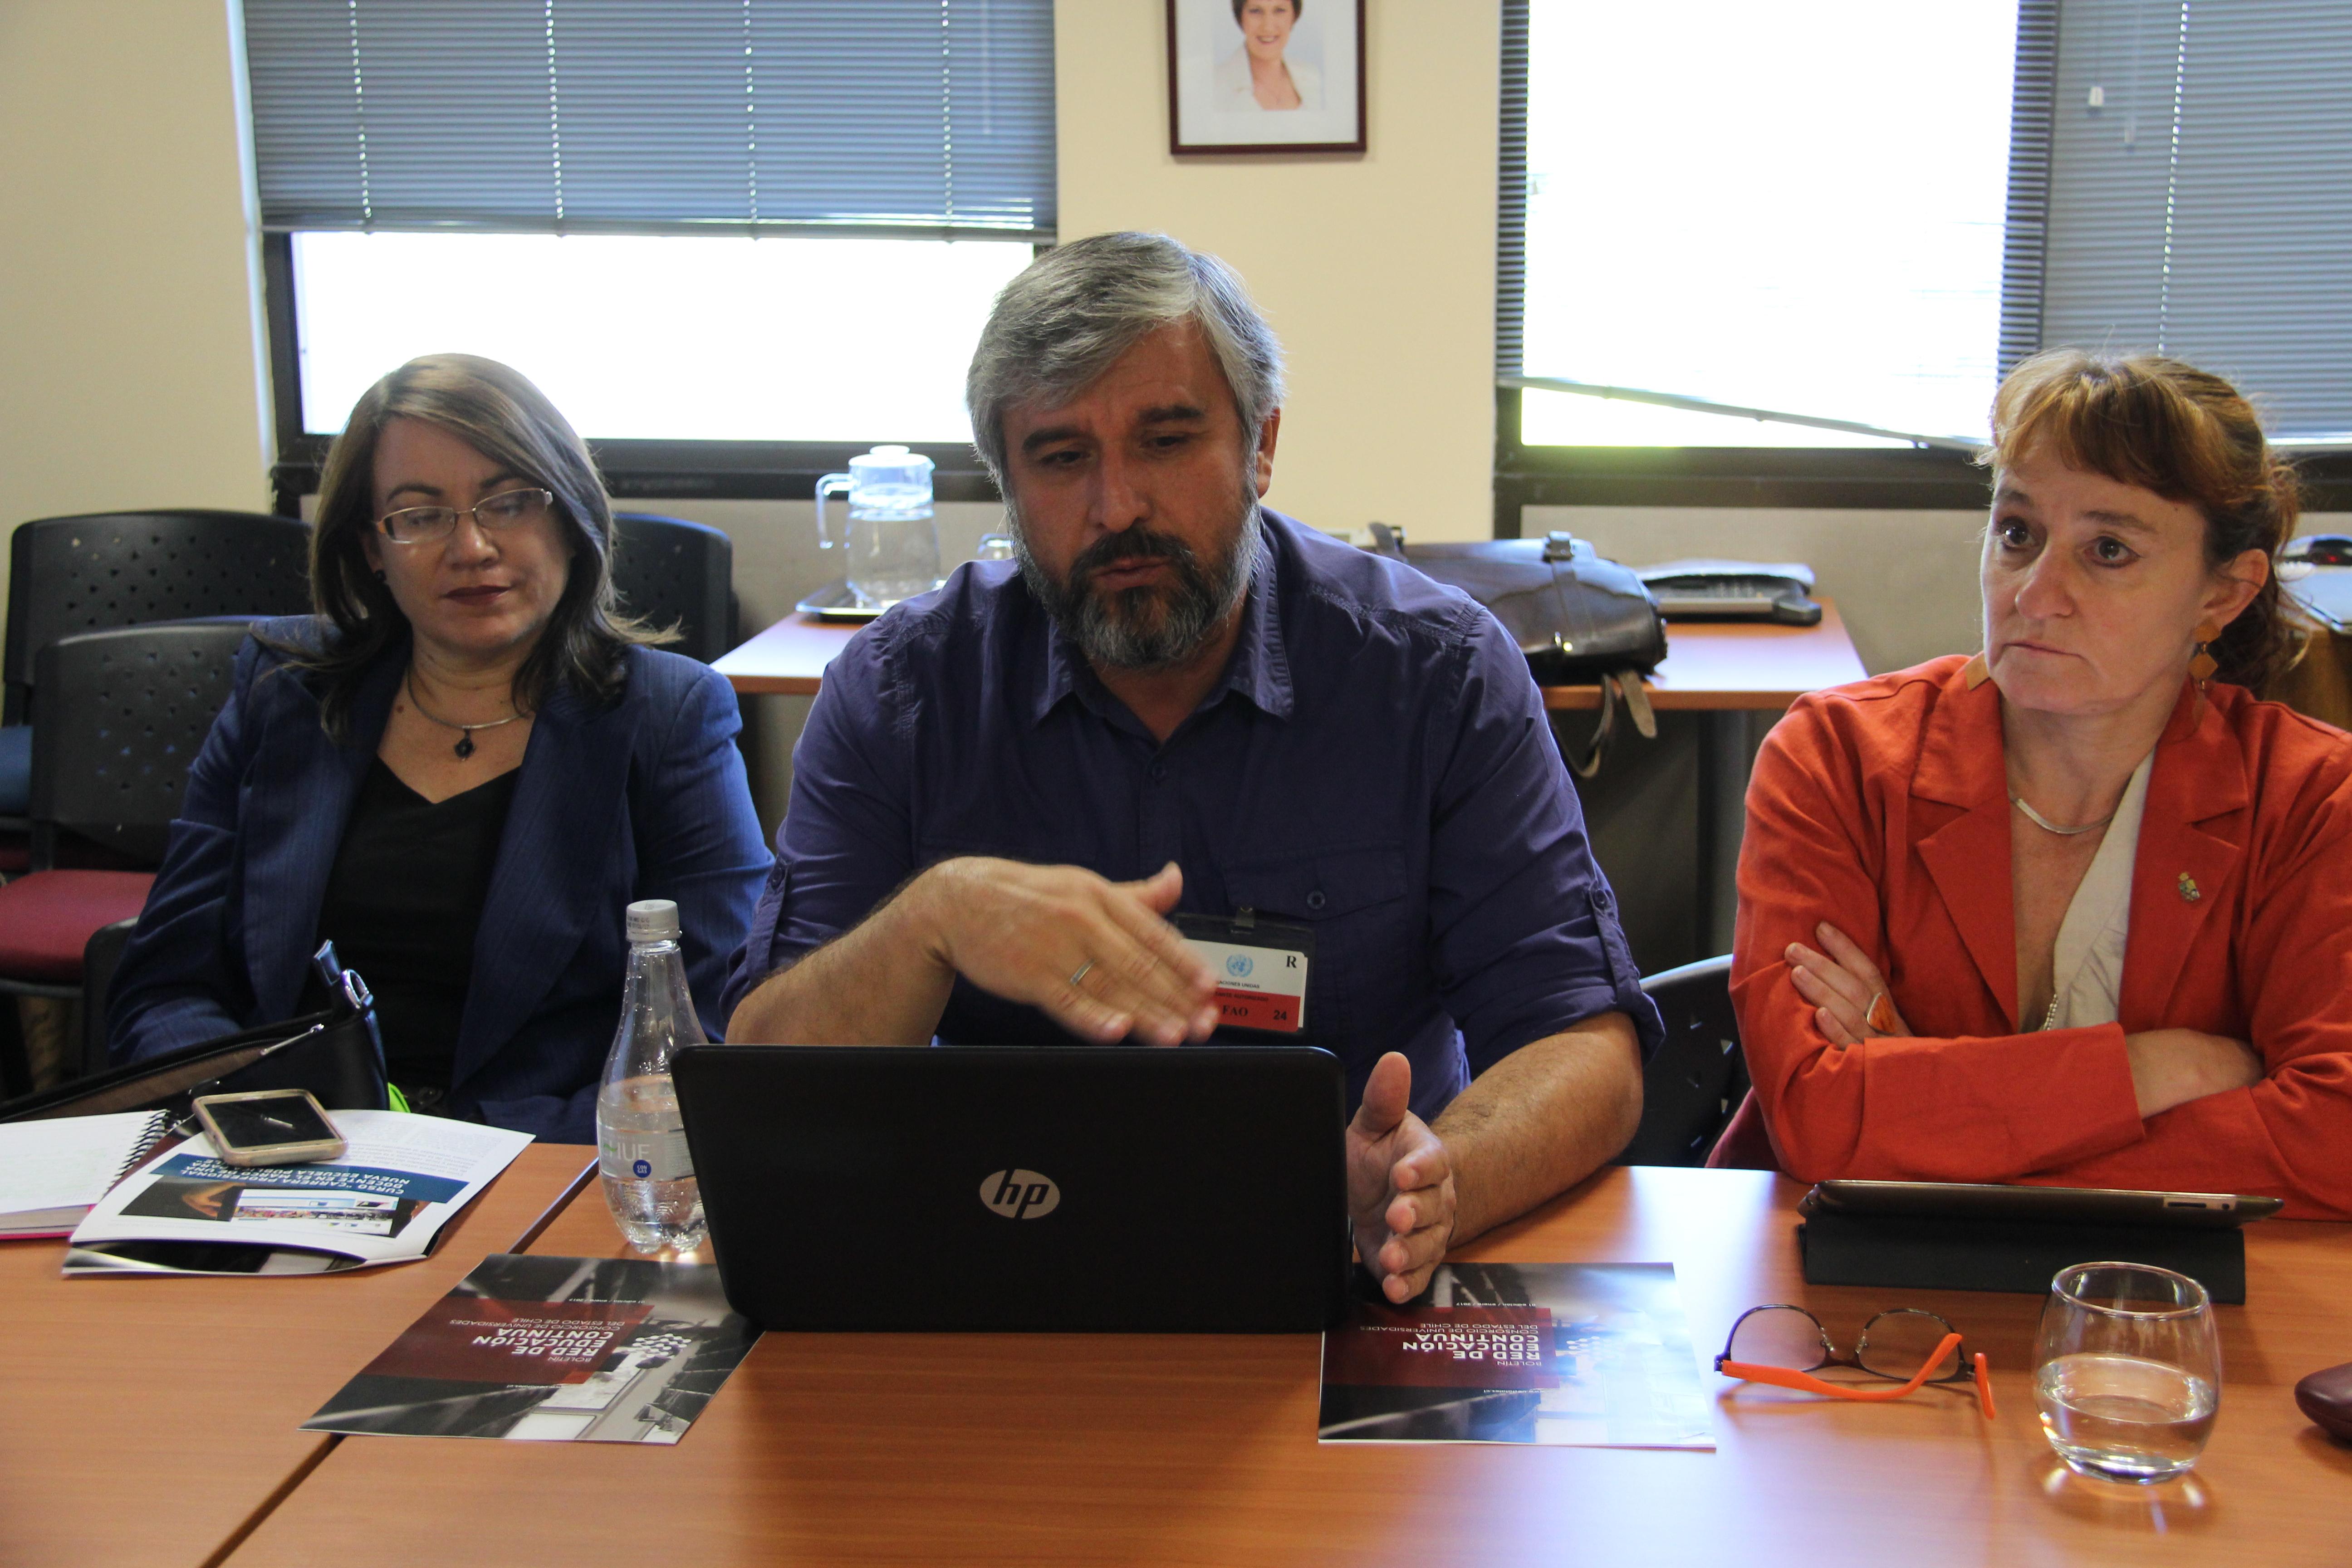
<point>671,572</point>
<point>1698,1077</point>
<point>101,955</point>
<point>123,713</point>
<point>86,573</point>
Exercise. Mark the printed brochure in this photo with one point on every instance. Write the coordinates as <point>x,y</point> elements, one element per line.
<point>591,1350</point>
<point>1593,1355</point>
<point>400,1180</point>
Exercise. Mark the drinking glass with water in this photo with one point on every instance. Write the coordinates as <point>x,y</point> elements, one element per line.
<point>2127,1370</point>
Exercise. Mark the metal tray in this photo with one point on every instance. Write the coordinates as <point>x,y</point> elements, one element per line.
<point>833,603</point>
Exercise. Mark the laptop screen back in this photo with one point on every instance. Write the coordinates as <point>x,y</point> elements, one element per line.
<point>1023,1188</point>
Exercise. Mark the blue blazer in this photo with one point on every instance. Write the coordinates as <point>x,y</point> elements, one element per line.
<point>643,798</point>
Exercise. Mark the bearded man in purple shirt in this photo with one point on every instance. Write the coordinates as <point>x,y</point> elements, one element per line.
<point>1185,708</point>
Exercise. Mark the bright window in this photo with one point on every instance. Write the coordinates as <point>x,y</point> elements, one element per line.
<point>1797,209</point>
<point>664,336</point>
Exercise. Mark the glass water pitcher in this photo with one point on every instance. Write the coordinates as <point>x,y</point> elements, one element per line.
<point>890,543</point>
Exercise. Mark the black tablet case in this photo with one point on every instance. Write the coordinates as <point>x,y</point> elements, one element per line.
<point>1913,1252</point>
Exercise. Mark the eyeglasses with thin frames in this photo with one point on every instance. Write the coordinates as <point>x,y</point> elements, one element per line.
<point>491,514</point>
<point>1784,1345</point>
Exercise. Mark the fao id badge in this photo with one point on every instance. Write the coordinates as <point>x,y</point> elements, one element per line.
<point>1261,967</point>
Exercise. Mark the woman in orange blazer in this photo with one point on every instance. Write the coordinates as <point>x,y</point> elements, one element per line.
<point>1944,970</point>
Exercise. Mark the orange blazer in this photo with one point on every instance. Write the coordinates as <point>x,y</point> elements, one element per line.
<point>1882,808</point>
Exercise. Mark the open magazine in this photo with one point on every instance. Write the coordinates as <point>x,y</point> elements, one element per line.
<point>1569,1354</point>
<point>596,1349</point>
<point>398,1182</point>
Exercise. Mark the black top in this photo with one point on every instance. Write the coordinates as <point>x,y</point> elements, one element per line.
<point>402,907</point>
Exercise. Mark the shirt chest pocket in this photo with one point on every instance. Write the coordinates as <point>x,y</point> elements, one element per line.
<point>1355,901</point>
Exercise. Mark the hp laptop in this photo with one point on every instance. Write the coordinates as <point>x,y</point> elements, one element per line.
<point>1113,1188</point>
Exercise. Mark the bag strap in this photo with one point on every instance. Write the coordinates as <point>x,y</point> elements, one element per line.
<point>1616,686</point>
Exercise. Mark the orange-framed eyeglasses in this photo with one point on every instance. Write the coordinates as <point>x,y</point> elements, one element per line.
<point>1784,1345</point>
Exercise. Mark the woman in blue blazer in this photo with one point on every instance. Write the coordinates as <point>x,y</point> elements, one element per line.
<point>461,770</point>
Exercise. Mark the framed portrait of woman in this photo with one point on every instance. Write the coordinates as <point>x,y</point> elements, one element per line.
<point>1265,76</point>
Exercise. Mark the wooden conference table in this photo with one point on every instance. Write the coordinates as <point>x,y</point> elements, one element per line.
<point>1724,670</point>
<point>1201,1449</point>
<point>151,1421</point>
<point>1710,666</point>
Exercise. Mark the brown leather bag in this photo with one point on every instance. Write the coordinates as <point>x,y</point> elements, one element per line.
<point>1579,619</point>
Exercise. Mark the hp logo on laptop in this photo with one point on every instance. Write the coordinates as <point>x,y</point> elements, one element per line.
<point>1019,1194</point>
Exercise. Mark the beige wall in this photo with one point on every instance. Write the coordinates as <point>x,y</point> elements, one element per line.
<point>130,373</point>
<point>1378,272</point>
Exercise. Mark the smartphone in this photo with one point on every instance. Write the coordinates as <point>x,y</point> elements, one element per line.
<point>270,1127</point>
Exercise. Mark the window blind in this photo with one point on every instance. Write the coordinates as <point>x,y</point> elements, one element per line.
<point>2202,152</point>
<point>2025,220</point>
<point>1511,205</point>
<point>651,116</point>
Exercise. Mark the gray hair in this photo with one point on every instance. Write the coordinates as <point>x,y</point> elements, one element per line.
<point>1078,307</point>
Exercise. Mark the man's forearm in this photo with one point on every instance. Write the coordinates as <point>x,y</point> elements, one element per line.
<point>877,985</point>
<point>1541,1119</point>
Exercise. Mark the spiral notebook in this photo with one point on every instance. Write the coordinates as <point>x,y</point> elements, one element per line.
<point>52,1172</point>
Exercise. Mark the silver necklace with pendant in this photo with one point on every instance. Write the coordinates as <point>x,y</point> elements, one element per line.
<point>465,747</point>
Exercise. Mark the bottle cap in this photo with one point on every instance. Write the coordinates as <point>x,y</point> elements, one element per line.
<point>653,920</point>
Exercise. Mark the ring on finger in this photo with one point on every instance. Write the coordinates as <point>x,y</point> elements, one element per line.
<point>1080,973</point>
<point>1880,1014</point>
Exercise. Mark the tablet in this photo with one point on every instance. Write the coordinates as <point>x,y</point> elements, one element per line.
<point>2042,1205</point>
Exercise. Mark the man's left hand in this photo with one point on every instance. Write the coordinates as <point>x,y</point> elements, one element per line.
<point>1399,1185</point>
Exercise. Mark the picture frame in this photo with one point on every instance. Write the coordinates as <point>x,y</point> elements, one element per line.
<point>1221,76</point>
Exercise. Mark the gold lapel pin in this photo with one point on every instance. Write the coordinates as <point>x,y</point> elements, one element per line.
<point>2189,893</point>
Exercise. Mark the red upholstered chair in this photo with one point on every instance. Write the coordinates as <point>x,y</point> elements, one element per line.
<point>122,715</point>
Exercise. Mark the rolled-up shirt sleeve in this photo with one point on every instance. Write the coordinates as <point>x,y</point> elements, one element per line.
<point>1525,937</point>
<point>846,842</point>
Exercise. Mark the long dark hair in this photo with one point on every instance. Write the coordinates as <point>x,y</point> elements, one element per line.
<point>497,411</point>
<point>2185,433</point>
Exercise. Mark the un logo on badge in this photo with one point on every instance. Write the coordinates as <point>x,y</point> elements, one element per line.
<point>1239,965</point>
<point>643,1168</point>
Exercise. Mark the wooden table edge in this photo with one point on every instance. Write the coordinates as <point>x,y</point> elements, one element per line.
<point>771,685</point>
<point>308,1463</point>
<point>1557,699</point>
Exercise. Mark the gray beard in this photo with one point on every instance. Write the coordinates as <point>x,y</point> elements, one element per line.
<point>1148,628</point>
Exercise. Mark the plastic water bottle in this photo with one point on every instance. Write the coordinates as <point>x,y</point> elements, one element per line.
<point>640,1138</point>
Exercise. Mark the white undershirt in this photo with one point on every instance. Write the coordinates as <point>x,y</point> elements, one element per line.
<point>2087,968</point>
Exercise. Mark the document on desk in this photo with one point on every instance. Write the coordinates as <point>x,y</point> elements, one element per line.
<point>582,1350</point>
<point>398,1181</point>
<point>1585,1355</point>
<point>52,1172</point>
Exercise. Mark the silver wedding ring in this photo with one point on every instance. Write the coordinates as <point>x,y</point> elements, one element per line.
<point>1080,973</point>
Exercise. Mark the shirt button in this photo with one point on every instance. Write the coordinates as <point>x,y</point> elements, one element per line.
<point>1316,901</point>
<point>1160,773</point>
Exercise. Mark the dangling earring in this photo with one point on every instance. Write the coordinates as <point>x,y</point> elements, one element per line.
<point>2202,666</point>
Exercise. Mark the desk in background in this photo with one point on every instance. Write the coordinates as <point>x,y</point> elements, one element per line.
<point>149,1421</point>
<point>1724,670</point>
<point>1101,1448</point>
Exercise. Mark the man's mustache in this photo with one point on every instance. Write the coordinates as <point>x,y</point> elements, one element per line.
<point>1129,544</point>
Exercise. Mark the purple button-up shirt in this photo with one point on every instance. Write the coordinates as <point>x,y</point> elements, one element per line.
<point>1376,763</point>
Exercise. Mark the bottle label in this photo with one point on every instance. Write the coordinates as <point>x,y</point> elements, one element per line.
<point>645,1156</point>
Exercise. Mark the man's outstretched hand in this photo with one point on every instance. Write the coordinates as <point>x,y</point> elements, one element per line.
<point>1399,1185</point>
<point>1098,957</point>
